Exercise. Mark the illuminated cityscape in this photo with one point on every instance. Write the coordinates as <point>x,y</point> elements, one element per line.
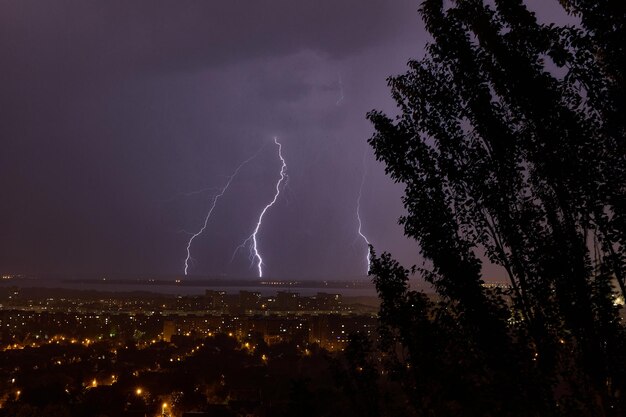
<point>134,350</point>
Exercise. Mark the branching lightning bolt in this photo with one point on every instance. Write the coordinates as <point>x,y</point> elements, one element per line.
<point>254,250</point>
<point>358,216</point>
<point>210,212</point>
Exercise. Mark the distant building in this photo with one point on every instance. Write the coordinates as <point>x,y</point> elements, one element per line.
<point>276,329</point>
<point>169,330</point>
<point>327,301</point>
<point>287,301</point>
<point>216,299</point>
<point>333,331</point>
<point>249,301</point>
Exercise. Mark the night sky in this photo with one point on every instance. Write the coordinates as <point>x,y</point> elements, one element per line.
<point>113,113</point>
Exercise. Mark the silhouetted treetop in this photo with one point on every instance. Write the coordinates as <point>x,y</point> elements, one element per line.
<point>510,142</point>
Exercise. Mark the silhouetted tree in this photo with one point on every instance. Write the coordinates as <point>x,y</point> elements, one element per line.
<point>358,375</point>
<point>511,145</point>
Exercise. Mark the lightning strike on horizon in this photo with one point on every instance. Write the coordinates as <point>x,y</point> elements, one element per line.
<point>254,250</point>
<point>358,216</point>
<point>208,216</point>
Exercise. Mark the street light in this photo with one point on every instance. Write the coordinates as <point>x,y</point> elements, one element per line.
<point>163,407</point>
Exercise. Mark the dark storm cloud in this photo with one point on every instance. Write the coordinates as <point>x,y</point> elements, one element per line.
<point>111,110</point>
<point>119,35</point>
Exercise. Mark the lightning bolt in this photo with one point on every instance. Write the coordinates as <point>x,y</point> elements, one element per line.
<point>254,250</point>
<point>358,216</point>
<point>216,197</point>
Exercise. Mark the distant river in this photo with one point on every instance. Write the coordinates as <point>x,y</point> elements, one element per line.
<point>187,288</point>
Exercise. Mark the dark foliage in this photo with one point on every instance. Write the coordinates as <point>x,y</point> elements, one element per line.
<point>511,145</point>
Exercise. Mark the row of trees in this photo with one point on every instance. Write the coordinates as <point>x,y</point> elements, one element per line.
<point>510,142</point>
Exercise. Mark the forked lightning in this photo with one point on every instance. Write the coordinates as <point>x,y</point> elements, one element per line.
<point>208,216</point>
<point>254,250</point>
